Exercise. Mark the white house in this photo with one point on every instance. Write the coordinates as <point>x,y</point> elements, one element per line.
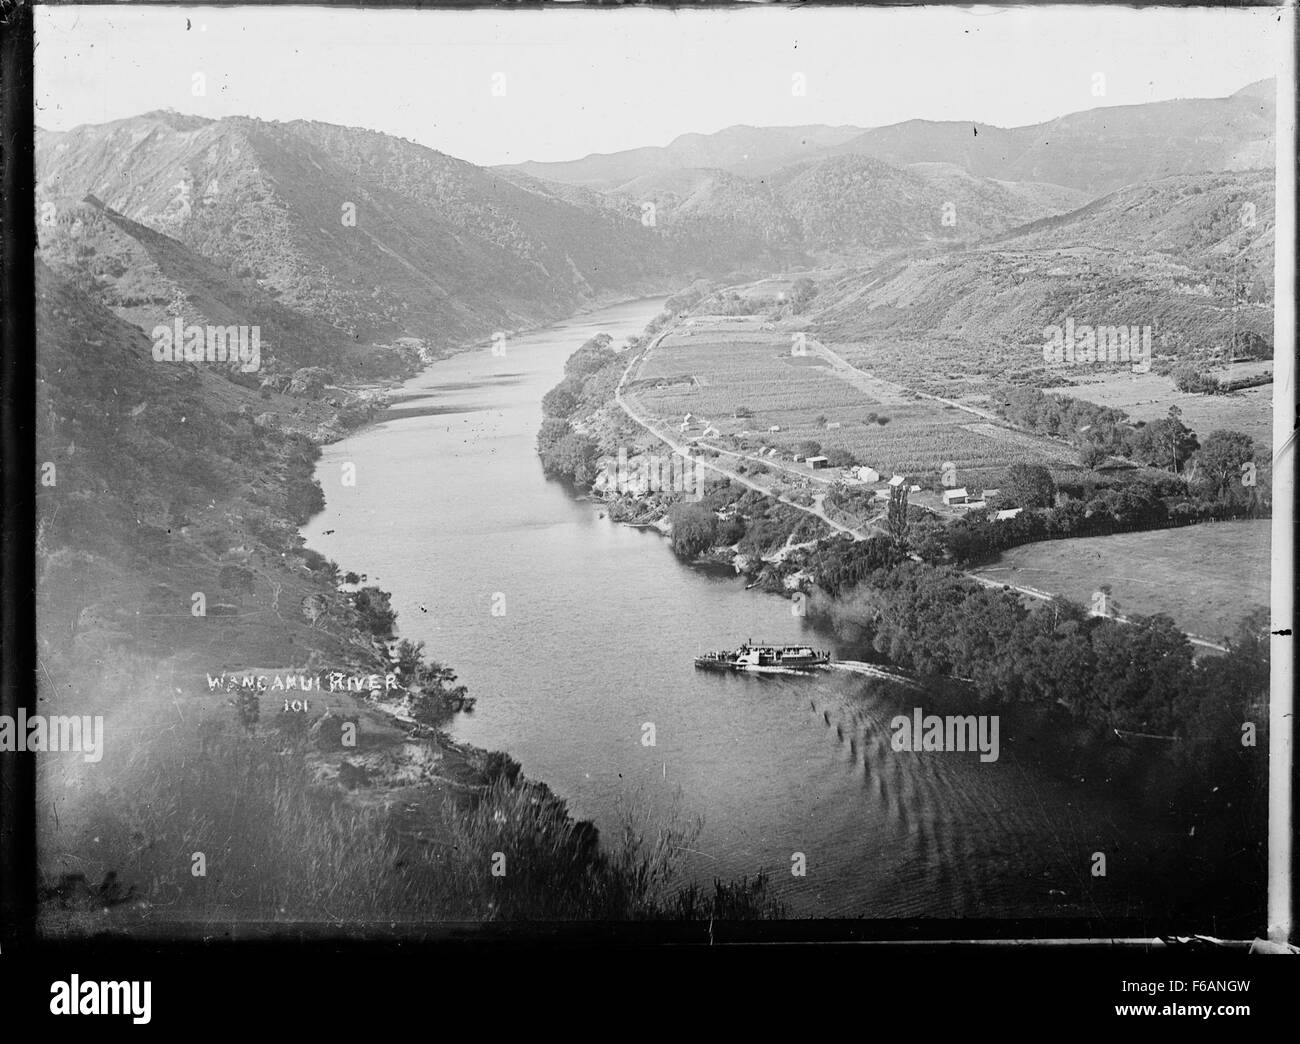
<point>955,496</point>
<point>711,431</point>
<point>898,480</point>
<point>866,474</point>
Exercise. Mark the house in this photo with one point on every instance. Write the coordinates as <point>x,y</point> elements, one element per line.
<point>1002,516</point>
<point>711,431</point>
<point>866,474</point>
<point>914,489</point>
<point>832,425</point>
<point>817,463</point>
<point>775,427</point>
<point>955,496</point>
<point>898,480</point>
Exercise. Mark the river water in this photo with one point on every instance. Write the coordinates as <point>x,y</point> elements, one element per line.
<point>575,633</point>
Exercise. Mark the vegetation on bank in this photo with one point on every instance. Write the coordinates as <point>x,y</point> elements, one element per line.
<point>278,847</point>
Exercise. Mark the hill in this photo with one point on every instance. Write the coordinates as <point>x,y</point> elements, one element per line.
<point>737,150</point>
<point>1174,255</point>
<point>150,279</point>
<point>1092,152</point>
<point>376,236</point>
<point>1097,150</point>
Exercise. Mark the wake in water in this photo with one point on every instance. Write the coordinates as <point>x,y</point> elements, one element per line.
<point>875,671</point>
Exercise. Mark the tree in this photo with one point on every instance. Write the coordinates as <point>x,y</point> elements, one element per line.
<point>377,614</point>
<point>1219,463</point>
<point>1166,443</point>
<point>694,529</point>
<point>573,456</point>
<point>1028,485</point>
<point>564,398</point>
<point>1092,455</point>
<point>1187,378</point>
<point>809,447</point>
<point>896,520</point>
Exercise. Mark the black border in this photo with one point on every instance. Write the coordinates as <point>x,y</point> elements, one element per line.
<point>980,955</point>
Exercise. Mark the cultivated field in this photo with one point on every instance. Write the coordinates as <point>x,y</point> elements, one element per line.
<point>712,366</point>
<point>1206,577</point>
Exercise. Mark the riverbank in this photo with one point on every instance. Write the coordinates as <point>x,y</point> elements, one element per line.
<point>315,783</point>
<point>1121,708</point>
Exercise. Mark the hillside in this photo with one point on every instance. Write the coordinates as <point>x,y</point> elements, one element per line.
<point>849,205</point>
<point>378,237</point>
<point>150,279</point>
<point>1159,255</point>
<point>742,150</point>
<point>1092,152</point>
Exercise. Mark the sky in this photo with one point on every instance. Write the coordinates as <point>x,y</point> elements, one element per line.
<point>506,86</point>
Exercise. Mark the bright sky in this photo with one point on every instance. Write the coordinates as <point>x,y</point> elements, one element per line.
<point>583,81</point>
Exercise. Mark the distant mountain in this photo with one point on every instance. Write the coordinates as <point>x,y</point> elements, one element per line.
<point>376,236</point>
<point>1094,151</point>
<point>737,150</point>
<point>855,202</point>
<point>1097,150</point>
<point>847,204</point>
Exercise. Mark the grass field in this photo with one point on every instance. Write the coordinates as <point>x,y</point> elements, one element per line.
<point>1206,577</point>
<point>712,365</point>
<point>1148,396</point>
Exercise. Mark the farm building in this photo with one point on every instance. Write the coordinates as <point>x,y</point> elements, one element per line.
<point>817,463</point>
<point>775,427</point>
<point>955,496</point>
<point>897,481</point>
<point>832,425</point>
<point>866,474</point>
<point>1002,516</point>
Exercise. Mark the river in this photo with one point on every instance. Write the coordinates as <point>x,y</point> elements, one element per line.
<point>575,633</point>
